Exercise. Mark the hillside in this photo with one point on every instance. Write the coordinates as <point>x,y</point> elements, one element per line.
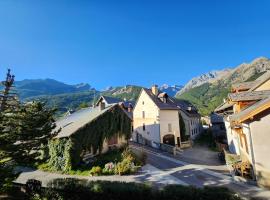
<point>36,87</point>
<point>204,78</point>
<point>209,95</point>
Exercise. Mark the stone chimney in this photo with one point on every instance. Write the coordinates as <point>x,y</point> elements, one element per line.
<point>155,90</point>
<point>101,106</point>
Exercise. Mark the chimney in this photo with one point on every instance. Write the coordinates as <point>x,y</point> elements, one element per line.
<point>101,106</point>
<point>155,90</point>
<point>130,107</point>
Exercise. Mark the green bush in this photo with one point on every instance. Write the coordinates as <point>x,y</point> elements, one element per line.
<point>96,171</point>
<point>82,189</point>
<point>109,169</point>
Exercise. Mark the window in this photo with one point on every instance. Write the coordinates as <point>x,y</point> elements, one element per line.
<point>143,127</point>
<point>143,114</point>
<point>170,127</point>
<point>143,103</point>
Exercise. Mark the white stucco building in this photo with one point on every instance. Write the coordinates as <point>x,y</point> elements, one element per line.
<point>156,119</point>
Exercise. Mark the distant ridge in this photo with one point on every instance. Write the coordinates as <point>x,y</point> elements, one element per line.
<point>210,92</point>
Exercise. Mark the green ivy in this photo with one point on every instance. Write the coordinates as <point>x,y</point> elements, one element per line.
<point>66,153</point>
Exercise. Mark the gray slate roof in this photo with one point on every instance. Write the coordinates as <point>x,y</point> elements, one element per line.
<point>170,105</point>
<point>249,110</point>
<point>70,124</point>
<point>216,118</point>
<point>186,107</point>
<point>249,95</point>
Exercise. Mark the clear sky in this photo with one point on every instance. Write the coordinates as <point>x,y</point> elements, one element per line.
<point>118,42</point>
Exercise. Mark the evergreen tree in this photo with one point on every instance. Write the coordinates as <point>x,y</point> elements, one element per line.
<point>24,128</point>
<point>35,130</point>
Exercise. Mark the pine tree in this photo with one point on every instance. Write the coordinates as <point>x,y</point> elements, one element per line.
<point>37,123</point>
<point>24,128</point>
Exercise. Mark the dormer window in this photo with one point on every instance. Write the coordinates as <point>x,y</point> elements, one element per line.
<point>163,97</point>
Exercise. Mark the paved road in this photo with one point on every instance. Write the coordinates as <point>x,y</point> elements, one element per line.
<point>197,175</point>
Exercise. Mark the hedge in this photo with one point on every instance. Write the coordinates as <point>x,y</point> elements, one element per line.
<point>82,189</point>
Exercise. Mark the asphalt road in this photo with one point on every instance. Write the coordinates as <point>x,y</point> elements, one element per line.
<point>197,175</point>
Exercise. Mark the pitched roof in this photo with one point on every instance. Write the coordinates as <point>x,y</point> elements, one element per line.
<point>216,118</point>
<point>110,100</point>
<point>249,95</point>
<point>224,106</point>
<point>261,80</point>
<point>75,121</point>
<point>251,111</point>
<point>169,105</point>
<point>186,107</point>
<point>244,85</point>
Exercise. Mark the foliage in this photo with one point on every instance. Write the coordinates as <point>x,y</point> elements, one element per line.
<point>65,102</point>
<point>37,87</point>
<point>110,156</point>
<point>184,136</point>
<point>6,177</point>
<point>96,171</point>
<point>90,137</point>
<point>129,92</point>
<point>83,105</point>
<point>109,169</point>
<point>82,189</point>
<point>25,130</point>
<point>126,166</point>
<point>206,97</point>
<point>206,138</point>
<point>59,151</point>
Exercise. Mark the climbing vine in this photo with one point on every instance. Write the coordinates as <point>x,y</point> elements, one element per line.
<point>184,137</point>
<point>66,153</point>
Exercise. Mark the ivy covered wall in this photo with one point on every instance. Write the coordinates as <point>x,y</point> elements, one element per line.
<point>66,153</point>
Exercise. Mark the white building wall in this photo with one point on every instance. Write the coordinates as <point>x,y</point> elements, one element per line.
<point>192,124</point>
<point>232,138</point>
<point>150,119</point>
<point>260,133</point>
<point>169,117</point>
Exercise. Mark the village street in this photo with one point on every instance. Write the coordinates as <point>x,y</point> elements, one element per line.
<point>162,169</point>
<point>198,175</point>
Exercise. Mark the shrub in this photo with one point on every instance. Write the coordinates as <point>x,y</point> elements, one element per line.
<point>96,171</point>
<point>82,189</point>
<point>109,169</point>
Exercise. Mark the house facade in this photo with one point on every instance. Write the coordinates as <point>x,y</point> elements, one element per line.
<point>247,122</point>
<point>191,118</point>
<point>156,119</point>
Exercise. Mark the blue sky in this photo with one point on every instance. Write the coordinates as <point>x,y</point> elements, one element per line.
<point>122,42</point>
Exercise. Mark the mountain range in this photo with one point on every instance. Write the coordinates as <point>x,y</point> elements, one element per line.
<point>206,91</point>
<point>207,95</point>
